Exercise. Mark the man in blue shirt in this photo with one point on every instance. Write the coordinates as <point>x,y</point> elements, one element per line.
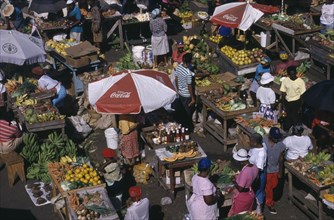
<point>74,15</point>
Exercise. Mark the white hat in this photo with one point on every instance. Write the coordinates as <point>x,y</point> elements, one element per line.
<point>8,10</point>
<point>240,155</point>
<point>266,78</point>
<point>69,2</point>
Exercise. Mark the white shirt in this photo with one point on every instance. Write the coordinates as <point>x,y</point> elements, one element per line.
<point>138,210</point>
<point>265,95</point>
<point>258,156</point>
<point>327,14</point>
<point>297,146</point>
<point>2,86</point>
<point>46,82</point>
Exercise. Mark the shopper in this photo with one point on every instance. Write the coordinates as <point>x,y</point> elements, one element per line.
<point>46,83</point>
<point>263,67</point>
<point>327,16</point>
<point>258,157</point>
<point>243,195</point>
<point>10,134</point>
<point>159,40</point>
<point>282,66</point>
<point>292,88</point>
<point>275,151</point>
<point>129,145</point>
<point>96,22</point>
<point>137,208</point>
<point>74,16</point>
<point>185,89</point>
<point>203,202</point>
<point>297,145</point>
<point>266,96</point>
<point>178,52</point>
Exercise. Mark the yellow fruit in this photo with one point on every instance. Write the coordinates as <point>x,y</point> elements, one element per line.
<point>87,176</point>
<point>69,172</point>
<point>82,179</point>
<point>99,182</point>
<point>79,175</point>
<point>72,180</point>
<point>84,165</point>
<point>67,178</point>
<point>96,178</point>
<point>78,170</point>
<point>91,169</point>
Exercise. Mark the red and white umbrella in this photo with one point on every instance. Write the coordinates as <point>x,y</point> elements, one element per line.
<point>239,15</point>
<point>129,91</point>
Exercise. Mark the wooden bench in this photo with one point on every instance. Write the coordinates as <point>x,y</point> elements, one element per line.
<point>15,166</point>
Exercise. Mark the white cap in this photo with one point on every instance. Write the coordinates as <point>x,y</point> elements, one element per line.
<point>240,155</point>
<point>69,2</point>
<point>266,78</point>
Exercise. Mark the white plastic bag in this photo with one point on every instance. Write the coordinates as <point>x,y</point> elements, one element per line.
<point>80,125</point>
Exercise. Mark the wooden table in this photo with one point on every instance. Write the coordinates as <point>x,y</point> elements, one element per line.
<point>173,167</point>
<point>319,54</point>
<point>221,132</point>
<point>295,36</point>
<point>236,69</point>
<point>313,209</point>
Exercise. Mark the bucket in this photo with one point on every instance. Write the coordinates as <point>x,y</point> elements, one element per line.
<point>137,52</point>
<point>148,55</point>
<point>112,138</point>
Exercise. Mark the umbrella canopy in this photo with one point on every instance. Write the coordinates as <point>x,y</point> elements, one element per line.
<point>51,6</point>
<point>18,48</point>
<point>129,91</point>
<point>320,96</point>
<point>236,15</point>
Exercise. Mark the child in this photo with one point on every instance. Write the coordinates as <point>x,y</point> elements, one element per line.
<point>275,149</point>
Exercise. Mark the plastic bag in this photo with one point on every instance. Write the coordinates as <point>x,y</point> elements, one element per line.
<point>80,125</point>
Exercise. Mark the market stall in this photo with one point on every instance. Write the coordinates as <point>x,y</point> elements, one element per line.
<point>175,158</point>
<point>315,174</point>
<point>226,105</point>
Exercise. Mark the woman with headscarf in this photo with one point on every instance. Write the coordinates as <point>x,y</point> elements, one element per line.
<point>243,195</point>
<point>297,145</point>
<point>203,202</point>
<point>159,38</point>
<point>137,208</point>
<point>266,96</point>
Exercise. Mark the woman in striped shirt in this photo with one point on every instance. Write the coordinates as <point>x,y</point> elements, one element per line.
<point>10,135</point>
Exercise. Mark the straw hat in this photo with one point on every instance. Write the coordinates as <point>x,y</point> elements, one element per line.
<point>240,155</point>
<point>8,10</point>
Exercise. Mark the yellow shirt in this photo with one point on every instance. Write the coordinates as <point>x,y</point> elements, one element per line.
<point>293,88</point>
<point>125,123</point>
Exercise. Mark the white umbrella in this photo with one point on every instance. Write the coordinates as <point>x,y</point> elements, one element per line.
<point>129,91</point>
<point>18,48</point>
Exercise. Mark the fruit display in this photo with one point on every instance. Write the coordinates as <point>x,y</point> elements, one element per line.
<point>91,204</point>
<point>256,123</point>
<point>246,216</point>
<point>19,86</point>
<point>127,63</point>
<point>60,46</point>
<point>181,156</point>
<point>39,112</point>
<point>243,57</point>
<point>216,38</point>
<point>23,100</point>
<point>39,153</point>
<point>50,24</point>
<point>142,172</point>
<point>330,195</point>
<point>186,16</point>
<point>296,22</point>
<point>316,159</point>
<point>326,39</point>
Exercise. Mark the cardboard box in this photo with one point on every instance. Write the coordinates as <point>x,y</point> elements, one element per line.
<point>177,177</point>
<point>78,62</point>
<point>80,50</point>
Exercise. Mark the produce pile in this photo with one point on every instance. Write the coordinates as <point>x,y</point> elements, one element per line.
<point>246,216</point>
<point>60,46</point>
<point>91,205</point>
<point>139,17</point>
<point>215,38</point>
<point>202,56</point>
<point>243,57</point>
<point>39,192</point>
<point>127,63</point>
<point>259,124</point>
<point>187,149</point>
<point>296,22</point>
<point>224,99</point>
<point>50,24</point>
<point>39,153</point>
<point>207,81</point>
<point>330,195</point>
<point>186,16</point>
<point>317,168</point>
<point>19,86</point>
<point>142,172</point>
<point>326,39</point>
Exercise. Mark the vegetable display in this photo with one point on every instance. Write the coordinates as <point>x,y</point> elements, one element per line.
<point>243,57</point>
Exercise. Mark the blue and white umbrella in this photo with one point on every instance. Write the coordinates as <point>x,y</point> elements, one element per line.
<point>18,48</point>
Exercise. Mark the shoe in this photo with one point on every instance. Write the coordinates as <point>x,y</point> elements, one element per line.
<point>272,210</point>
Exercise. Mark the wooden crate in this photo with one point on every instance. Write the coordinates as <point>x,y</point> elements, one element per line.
<point>45,125</point>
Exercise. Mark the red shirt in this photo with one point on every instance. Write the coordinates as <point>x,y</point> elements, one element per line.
<point>8,131</point>
<point>177,57</point>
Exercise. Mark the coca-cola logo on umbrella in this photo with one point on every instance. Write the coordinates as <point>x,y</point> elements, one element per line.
<point>9,48</point>
<point>120,95</point>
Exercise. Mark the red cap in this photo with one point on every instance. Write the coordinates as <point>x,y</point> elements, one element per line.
<point>135,192</point>
<point>108,153</point>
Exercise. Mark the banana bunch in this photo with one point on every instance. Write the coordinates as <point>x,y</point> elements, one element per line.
<point>316,159</point>
<point>66,159</point>
<point>180,156</point>
<point>329,197</point>
<point>47,153</point>
<point>39,171</point>
<point>29,102</point>
<point>327,175</point>
<point>31,148</point>
<point>21,99</point>
<point>49,116</point>
<point>11,85</point>
<point>203,83</point>
<point>56,139</point>
<point>70,148</point>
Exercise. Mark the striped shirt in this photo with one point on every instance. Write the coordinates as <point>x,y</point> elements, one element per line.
<point>8,131</point>
<point>184,77</point>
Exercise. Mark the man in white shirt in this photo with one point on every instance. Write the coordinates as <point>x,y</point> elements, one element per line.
<point>138,208</point>
<point>266,96</point>
<point>297,145</point>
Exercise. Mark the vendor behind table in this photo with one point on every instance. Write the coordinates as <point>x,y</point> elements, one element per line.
<point>75,20</point>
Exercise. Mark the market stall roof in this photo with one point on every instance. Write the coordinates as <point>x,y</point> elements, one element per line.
<point>43,6</point>
<point>238,14</point>
<point>18,48</point>
<point>129,91</point>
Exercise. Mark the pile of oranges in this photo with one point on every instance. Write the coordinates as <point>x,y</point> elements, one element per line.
<point>84,174</point>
